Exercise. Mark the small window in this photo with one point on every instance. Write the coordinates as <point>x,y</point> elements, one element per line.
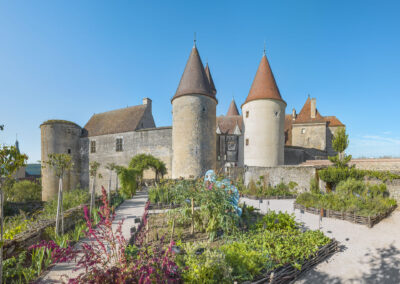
<point>92,146</point>
<point>118,147</point>
<point>303,130</point>
<point>69,151</point>
<point>247,141</point>
<point>247,114</point>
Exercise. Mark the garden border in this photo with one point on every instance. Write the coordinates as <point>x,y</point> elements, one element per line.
<point>253,197</point>
<point>369,221</point>
<point>287,273</point>
<point>160,206</point>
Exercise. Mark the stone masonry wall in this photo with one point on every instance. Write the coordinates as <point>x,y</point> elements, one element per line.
<point>154,141</point>
<point>286,174</point>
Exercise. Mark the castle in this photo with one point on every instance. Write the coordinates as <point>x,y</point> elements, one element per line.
<point>263,136</point>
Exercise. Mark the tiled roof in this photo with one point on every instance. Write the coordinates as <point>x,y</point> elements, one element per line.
<point>333,121</point>
<point>305,114</point>
<point>210,80</point>
<point>115,121</point>
<point>194,79</point>
<point>264,85</point>
<point>232,110</point>
<point>288,129</point>
<point>227,124</point>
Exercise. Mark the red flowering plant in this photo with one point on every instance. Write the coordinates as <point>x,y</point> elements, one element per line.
<point>102,258</point>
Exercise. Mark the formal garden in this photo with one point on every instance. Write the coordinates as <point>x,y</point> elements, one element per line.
<point>192,231</point>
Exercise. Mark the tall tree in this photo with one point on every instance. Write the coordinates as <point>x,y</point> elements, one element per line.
<point>10,161</point>
<point>340,142</point>
<point>60,163</point>
<point>94,166</point>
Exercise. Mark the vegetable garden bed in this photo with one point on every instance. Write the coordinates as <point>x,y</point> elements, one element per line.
<point>370,221</point>
<point>288,273</point>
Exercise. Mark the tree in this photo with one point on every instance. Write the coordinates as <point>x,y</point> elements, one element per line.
<point>60,163</point>
<point>340,142</point>
<point>111,167</point>
<point>10,161</point>
<point>94,166</point>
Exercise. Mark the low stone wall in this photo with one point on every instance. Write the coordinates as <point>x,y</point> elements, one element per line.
<point>393,188</point>
<point>274,175</point>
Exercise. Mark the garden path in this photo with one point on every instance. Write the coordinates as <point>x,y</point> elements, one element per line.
<point>128,210</point>
<point>367,255</point>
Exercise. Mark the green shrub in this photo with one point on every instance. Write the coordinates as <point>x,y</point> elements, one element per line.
<point>277,221</point>
<point>71,199</point>
<point>23,191</point>
<point>204,267</point>
<point>314,187</point>
<point>352,196</point>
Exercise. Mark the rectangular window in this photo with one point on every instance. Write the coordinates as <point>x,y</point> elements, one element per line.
<point>118,147</point>
<point>247,141</point>
<point>92,146</point>
<point>247,113</point>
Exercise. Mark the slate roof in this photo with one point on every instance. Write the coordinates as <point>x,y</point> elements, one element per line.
<point>115,121</point>
<point>194,79</point>
<point>264,85</point>
<point>33,169</point>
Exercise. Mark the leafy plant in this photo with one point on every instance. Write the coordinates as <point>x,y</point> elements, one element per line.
<point>23,191</point>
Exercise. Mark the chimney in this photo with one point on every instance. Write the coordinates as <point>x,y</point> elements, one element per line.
<point>147,102</point>
<point>313,107</point>
<point>294,115</point>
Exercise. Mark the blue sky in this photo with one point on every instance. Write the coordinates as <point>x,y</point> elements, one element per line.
<point>71,59</point>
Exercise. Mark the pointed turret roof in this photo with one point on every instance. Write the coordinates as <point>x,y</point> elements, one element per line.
<point>194,79</point>
<point>264,85</point>
<point>210,80</point>
<point>232,110</point>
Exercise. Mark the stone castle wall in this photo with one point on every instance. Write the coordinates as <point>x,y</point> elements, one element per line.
<point>154,141</point>
<point>286,174</point>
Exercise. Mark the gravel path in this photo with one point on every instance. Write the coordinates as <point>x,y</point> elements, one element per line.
<point>128,210</point>
<point>367,255</point>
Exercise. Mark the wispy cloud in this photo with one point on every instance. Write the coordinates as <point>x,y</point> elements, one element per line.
<point>373,145</point>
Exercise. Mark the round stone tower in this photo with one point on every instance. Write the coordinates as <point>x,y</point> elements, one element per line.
<point>264,120</point>
<point>194,121</point>
<point>59,136</point>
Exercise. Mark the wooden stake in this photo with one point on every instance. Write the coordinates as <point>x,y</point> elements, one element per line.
<point>173,229</point>
<point>192,230</point>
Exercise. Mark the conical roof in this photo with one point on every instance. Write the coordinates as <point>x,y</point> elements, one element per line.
<point>264,85</point>
<point>194,79</point>
<point>210,80</point>
<point>232,110</point>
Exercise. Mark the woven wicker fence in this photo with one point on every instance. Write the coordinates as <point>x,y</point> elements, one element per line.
<point>288,273</point>
<point>268,197</point>
<point>370,221</point>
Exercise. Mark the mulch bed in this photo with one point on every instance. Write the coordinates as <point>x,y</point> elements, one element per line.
<point>288,273</point>
<point>370,221</point>
<point>268,197</point>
